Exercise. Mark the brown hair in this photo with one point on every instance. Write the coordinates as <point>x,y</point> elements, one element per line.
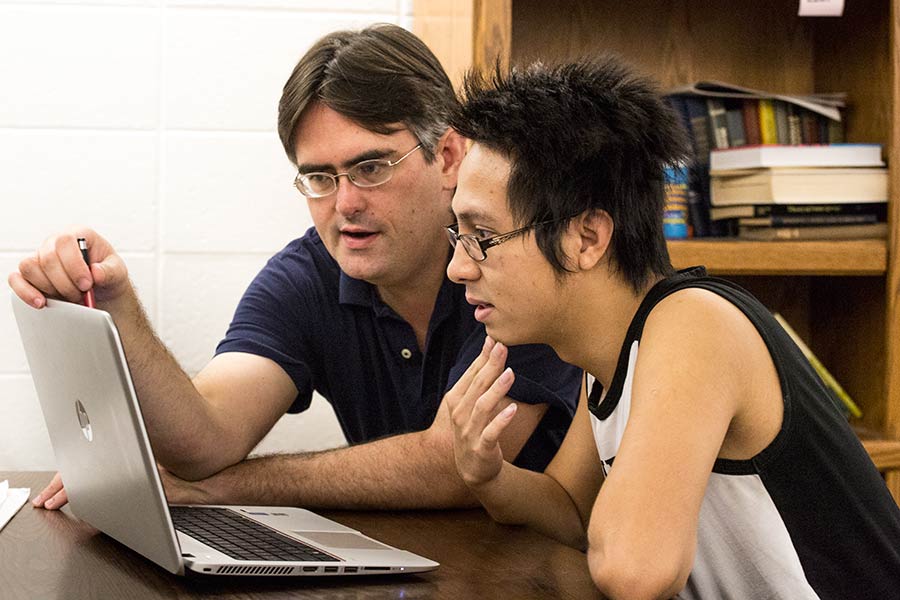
<point>378,77</point>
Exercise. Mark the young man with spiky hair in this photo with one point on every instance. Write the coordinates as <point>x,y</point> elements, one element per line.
<point>726,471</point>
<point>359,308</point>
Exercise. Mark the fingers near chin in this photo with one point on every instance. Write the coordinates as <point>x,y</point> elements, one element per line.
<point>488,374</point>
<point>486,406</point>
<point>504,382</point>
<point>491,434</point>
<point>476,365</point>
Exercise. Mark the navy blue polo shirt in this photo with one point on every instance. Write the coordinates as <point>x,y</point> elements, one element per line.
<point>333,334</point>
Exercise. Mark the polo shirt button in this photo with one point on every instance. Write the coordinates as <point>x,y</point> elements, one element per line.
<point>406,353</point>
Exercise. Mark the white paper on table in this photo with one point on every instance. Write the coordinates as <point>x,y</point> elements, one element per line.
<point>11,500</point>
<point>821,8</point>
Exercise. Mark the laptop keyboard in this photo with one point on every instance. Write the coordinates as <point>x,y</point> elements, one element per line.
<point>241,538</point>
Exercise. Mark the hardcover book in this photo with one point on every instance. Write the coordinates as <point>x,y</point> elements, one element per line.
<point>819,155</point>
<point>877,210</point>
<point>799,186</point>
<point>808,220</point>
<point>750,110</point>
<point>781,122</point>
<point>717,122</point>
<point>734,121</point>
<point>825,232</point>
<point>794,136</point>
<point>768,130</point>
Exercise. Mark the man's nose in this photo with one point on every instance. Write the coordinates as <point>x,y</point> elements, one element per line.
<point>349,199</point>
<point>461,267</point>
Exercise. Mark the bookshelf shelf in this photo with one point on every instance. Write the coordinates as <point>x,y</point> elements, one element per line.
<point>723,256</point>
<point>843,297</point>
<point>885,453</point>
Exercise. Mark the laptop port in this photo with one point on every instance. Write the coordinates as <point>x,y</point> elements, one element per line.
<point>351,569</point>
<point>331,569</point>
<point>310,569</point>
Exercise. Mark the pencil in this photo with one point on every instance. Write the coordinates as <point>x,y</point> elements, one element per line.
<point>88,295</point>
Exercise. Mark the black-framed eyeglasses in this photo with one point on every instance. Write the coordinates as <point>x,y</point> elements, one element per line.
<point>477,247</point>
<point>364,174</point>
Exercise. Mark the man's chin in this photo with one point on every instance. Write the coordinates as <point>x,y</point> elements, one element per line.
<point>502,335</point>
<point>359,268</point>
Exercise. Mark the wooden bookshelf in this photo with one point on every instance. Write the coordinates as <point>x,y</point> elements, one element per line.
<point>885,453</point>
<point>841,296</point>
<point>726,256</point>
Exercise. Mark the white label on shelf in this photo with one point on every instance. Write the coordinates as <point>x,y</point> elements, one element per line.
<point>821,8</point>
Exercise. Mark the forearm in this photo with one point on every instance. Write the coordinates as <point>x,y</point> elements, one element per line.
<point>409,471</point>
<point>178,420</point>
<point>521,497</point>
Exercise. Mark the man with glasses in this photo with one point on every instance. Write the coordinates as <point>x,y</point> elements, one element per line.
<point>726,470</point>
<point>358,309</point>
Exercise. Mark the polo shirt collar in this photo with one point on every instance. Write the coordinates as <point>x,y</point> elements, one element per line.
<point>362,293</point>
<point>356,291</point>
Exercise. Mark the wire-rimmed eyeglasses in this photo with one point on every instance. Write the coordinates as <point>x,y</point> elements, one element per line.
<point>364,174</point>
<point>476,247</point>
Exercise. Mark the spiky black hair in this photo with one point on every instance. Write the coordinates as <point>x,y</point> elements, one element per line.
<point>585,135</point>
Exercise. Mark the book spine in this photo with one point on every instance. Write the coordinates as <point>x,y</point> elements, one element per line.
<point>782,133</point>
<point>794,136</point>
<point>675,209</point>
<point>808,129</point>
<point>734,121</point>
<point>876,209</point>
<point>807,220</point>
<point>835,132</point>
<point>823,232</point>
<point>822,124</point>
<point>820,369</point>
<point>750,111</point>
<point>768,132</point>
<point>698,211</point>
<point>803,155</point>
<point>717,122</point>
<point>699,122</point>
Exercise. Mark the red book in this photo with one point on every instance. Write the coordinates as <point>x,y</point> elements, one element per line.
<point>751,122</point>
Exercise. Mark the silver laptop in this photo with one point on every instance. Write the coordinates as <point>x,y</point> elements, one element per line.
<point>104,455</point>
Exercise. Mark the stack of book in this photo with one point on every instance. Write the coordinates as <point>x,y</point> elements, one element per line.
<point>806,192</point>
<point>719,115</point>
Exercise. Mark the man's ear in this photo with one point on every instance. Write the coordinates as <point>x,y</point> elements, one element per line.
<point>593,232</point>
<point>450,151</point>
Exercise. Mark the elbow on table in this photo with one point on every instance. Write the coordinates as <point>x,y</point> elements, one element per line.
<point>194,461</point>
<point>192,470</point>
<point>638,578</point>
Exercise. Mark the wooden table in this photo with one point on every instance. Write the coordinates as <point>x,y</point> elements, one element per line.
<point>51,554</point>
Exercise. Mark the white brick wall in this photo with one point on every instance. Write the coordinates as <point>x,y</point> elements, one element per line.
<point>154,122</point>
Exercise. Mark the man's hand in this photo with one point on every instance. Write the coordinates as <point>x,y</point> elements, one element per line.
<point>52,497</point>
<point>178,491</point>
<point>478,417</point>
<point>58,270</point>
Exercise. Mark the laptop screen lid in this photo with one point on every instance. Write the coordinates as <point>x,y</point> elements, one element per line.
<point>95,426</point>
<point>104,455</point>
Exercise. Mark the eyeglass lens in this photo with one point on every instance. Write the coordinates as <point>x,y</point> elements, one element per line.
<point>470,245</point>
<point>368,173</point>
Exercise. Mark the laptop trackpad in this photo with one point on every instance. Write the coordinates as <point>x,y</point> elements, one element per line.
<point>342,539</point>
